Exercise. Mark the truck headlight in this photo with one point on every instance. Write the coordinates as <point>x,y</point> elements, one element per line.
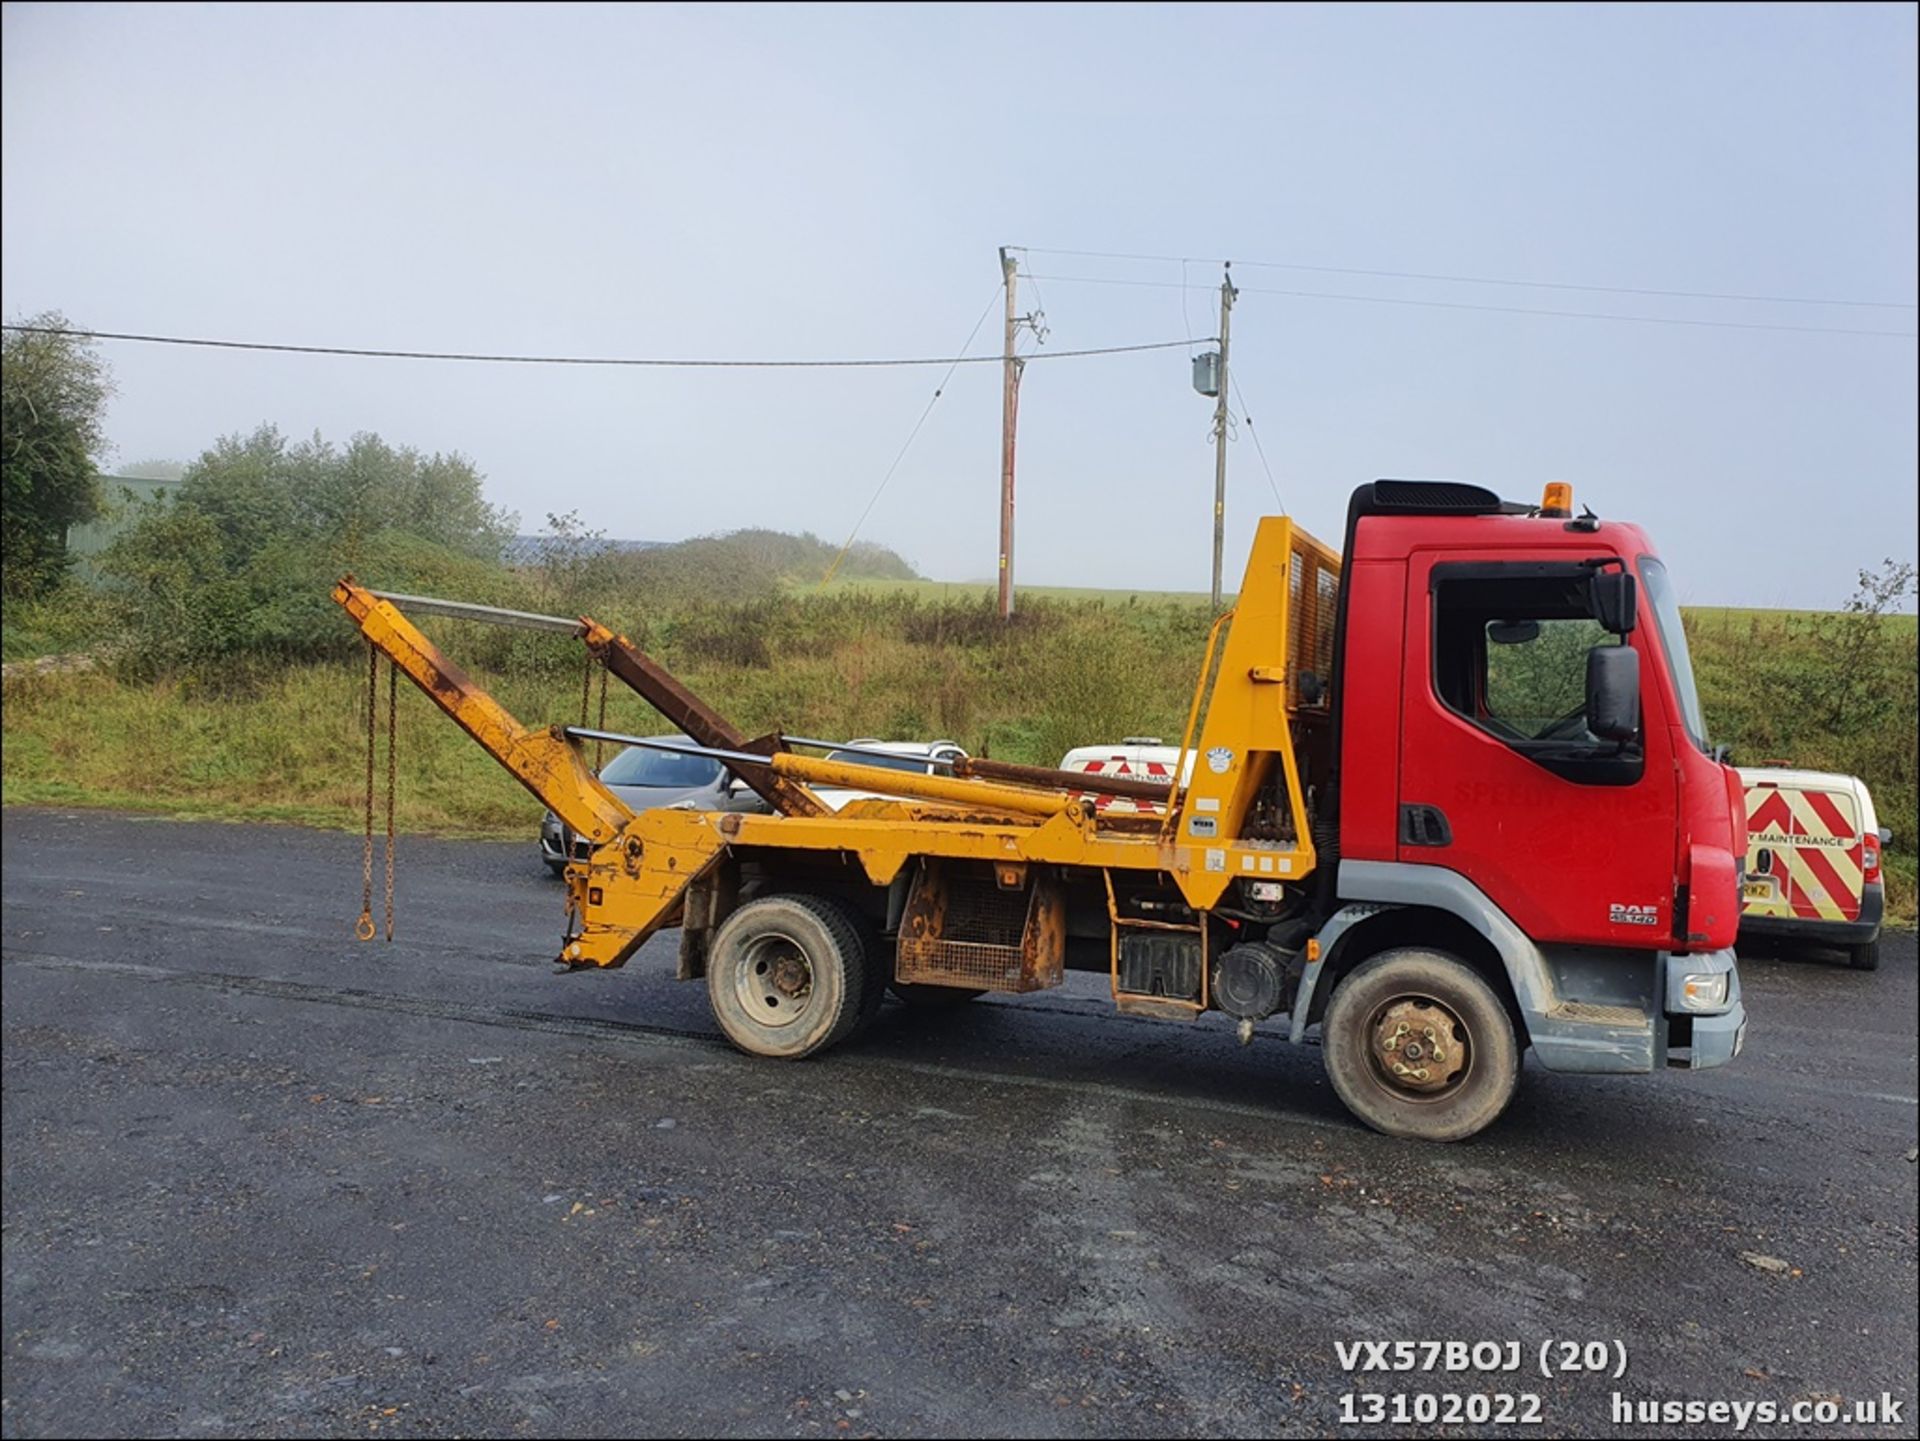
<point>1704,993</point>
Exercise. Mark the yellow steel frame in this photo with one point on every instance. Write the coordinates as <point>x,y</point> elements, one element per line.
<point>636,878</point>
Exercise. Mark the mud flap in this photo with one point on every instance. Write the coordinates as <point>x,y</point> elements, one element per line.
<point>708,902</point>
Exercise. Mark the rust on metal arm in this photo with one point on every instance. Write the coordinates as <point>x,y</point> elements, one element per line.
<point>543,761</point>
<point>662,690</point>
<point>1094,782</point>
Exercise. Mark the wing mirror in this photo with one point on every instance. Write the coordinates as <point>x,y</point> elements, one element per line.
<point>1613,692</point>
<point>1614,600</point>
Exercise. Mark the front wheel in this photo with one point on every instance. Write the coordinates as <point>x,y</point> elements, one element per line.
<point>787,976</point>
<point>1417,1044</point>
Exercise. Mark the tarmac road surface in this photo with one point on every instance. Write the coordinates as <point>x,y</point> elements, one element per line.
<point>261,1179</point>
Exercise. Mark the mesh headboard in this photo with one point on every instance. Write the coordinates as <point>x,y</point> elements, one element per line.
<point>1313,590</point>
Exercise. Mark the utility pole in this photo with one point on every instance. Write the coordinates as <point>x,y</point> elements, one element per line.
<point>1227,293</point>
<point>1009,416</point>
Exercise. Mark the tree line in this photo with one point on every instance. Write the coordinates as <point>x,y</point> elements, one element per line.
<point>239,555</point>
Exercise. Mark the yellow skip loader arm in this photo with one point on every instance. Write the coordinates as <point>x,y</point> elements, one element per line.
<point>544,761</point>
<point>641,868</point>
<point>1241,817</point>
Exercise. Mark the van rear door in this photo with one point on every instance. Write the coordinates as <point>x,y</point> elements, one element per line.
<point>1135,762</point>
<point>1804,858</point>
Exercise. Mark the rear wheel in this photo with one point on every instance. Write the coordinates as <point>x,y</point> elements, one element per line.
<point>1865,957</point>
<point>788,976</point>
<point>1417,1044</point>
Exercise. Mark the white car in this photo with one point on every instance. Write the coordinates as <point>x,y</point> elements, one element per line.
<point>932,758</point>
<point>1145,758</point>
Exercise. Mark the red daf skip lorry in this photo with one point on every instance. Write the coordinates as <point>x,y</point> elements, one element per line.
<point>1452,797</point>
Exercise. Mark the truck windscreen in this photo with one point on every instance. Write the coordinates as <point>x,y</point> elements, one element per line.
<point>1673,640</point>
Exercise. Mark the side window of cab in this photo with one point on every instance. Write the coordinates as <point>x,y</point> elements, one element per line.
<point>1511,646</point>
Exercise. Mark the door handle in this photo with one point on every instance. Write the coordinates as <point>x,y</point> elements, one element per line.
<point>1422,825</point>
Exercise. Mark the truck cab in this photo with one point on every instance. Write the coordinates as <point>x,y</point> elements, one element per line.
<point>1533,780</point>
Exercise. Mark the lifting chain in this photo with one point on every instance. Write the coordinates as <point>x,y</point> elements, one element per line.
<point>586,698</point>
<point>599,747</point>
<point>393,695</point>
<point>364,928</point>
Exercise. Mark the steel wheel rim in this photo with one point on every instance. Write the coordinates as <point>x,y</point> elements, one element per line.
<point>774,980</point>
<point>1419,1050</point>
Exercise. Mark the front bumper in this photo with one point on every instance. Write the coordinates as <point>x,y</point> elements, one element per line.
<point>1699,1040</point>
<point>1620,1039</point>
<point>1715,1040</point>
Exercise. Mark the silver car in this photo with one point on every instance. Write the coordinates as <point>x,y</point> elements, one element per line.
<point>646,780</point>
<point>927,758</point>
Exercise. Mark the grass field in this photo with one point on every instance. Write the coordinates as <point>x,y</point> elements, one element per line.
<point>255,740</point>
<point>251,739</point>
<point>1761,621</point>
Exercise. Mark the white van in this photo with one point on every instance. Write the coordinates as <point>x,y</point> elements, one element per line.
<point>1146,758</point>
<point>1813,861</point>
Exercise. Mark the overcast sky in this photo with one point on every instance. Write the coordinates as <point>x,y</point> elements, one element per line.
<point>824,182</point>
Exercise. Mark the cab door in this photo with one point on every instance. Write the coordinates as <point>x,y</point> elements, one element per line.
<point>1500,779</point>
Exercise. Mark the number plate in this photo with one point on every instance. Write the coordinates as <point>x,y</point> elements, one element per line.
<point>1757,890</point>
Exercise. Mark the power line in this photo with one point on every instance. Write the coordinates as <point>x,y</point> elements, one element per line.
<point>1258,447</point>
<point>1496,309</point>
<point>912,435</point>
<point>1186,316</point>
<point>1486,280</point>
<point>588,360</point>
